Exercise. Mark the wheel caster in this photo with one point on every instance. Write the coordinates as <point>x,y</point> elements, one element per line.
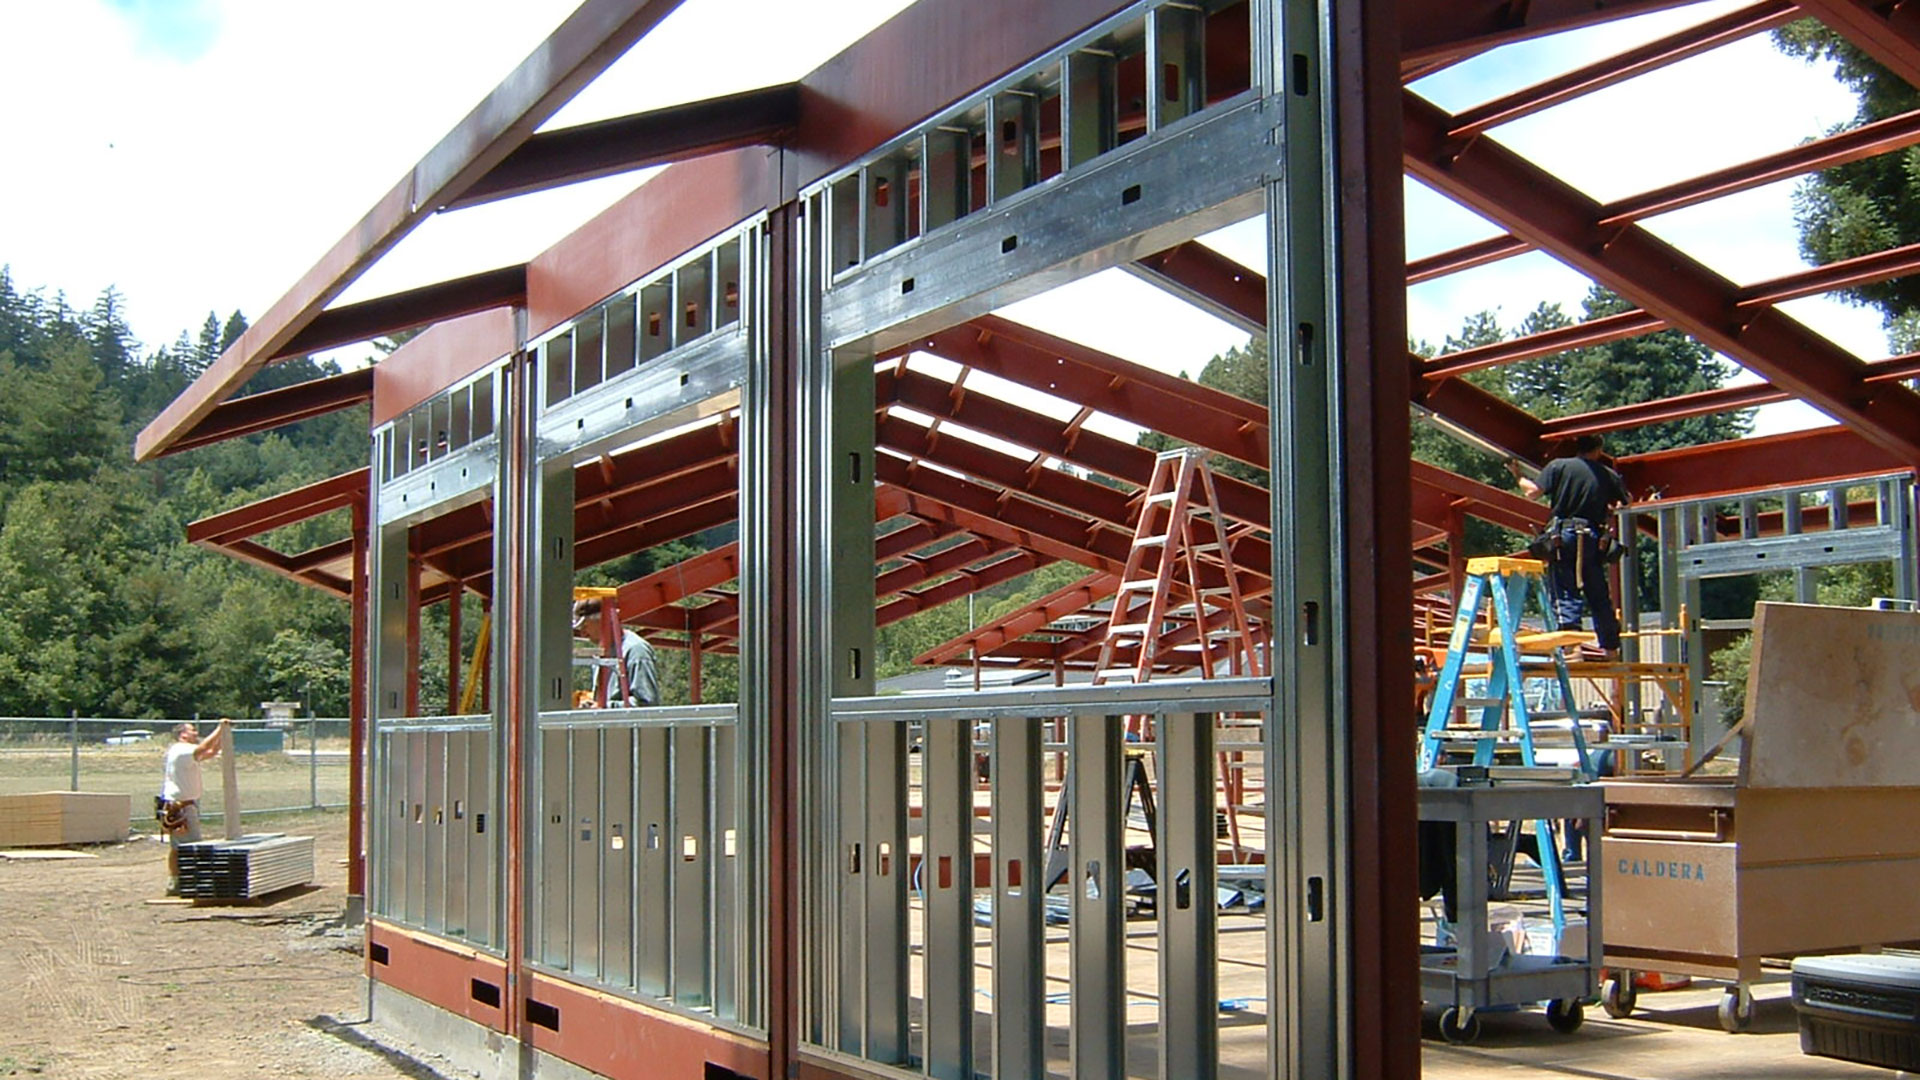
<point>1618,995</point>
<point>1565,1015</point>
<point>1736,1009</point>
<point>1457,1031</point>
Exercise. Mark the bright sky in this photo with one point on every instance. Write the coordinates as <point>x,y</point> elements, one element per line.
<point>202,154</point>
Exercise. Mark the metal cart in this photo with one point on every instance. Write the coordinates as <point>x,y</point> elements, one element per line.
<point>1474,975</point>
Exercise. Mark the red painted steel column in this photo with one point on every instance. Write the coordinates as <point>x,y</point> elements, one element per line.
<point>783,644</point>
<point>1376,452</point>
<point>357,708</point>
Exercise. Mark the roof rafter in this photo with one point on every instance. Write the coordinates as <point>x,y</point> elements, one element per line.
<point>625,143</point>
<point>1892,38</point>
<point>1499,184</point>
<point>595,35</point>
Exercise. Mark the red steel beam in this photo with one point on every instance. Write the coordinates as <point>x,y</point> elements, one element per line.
<point>659,137</point>
<point>1432,30</point>
<point>1483,501</point>
<point>1878,266</point>
<point>1066,369</point>
<point>1249,553</point>
<point>1465,257</point>
<point>1869,140</point>
<point>1700,403</point>
<point>1055,605</point>
<point>625,539</point>
<point>1859,270</point>
<point>982,511</point>
<point>266,558</point>
<point>911,602</point>
<point>271,513</point>
<point>1890,33</point>
<point>270,409</point>
<point>369,319</point>
<point>1534,204</point>
<point>586,44</point>
<point>1199,270</point>
<point>1807,457</point>
<point>1044,435</point>
<point>1580,335</point>
<point>1652,56</point>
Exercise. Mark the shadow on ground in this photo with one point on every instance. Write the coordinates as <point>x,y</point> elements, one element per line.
<point>348,1031</point>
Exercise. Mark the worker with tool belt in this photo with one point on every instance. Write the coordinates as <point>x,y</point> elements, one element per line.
<point>178,807</point>
<point>1581,492</point>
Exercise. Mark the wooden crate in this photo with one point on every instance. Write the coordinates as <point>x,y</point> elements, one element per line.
<point>63,817</point>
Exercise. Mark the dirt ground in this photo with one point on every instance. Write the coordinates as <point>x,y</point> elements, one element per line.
<point>106,985</point>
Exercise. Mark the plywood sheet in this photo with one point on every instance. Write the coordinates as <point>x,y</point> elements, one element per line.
<point>45,818</point>
<point>1833,698</point>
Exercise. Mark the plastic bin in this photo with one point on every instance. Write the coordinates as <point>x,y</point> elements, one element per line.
<point>1862,1008</point>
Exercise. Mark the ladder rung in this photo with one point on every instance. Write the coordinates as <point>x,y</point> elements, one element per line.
<point>1473,734</point>
<point>1126,628</point>
<point>1126,673</point>
<point>1139,583</point>
<point>1480,702</point>
<point>1149,541</point>
<point>1162,497</point>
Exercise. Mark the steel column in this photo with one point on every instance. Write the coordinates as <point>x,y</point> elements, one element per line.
<point>945,881</point>
<point>1097,1031</point>
<point>1019,901</point>
<point>1186,901</point>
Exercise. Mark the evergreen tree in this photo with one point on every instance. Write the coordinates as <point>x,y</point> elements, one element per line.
<point>1868,205</point>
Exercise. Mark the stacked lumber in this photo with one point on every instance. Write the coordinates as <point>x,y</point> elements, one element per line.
<point>243,869</point>
<point>44,818</point>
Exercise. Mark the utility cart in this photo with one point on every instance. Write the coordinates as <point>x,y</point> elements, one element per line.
<point>1480,972</point>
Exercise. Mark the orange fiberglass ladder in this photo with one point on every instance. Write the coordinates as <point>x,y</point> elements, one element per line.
<point>1179,571</point>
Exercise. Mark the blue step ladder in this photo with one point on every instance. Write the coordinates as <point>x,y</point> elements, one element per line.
<point>1504,583</point>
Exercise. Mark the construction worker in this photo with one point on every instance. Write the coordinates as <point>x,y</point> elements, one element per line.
<point>1581,492</point>
<point>181,788</point>
<point>638,671</point>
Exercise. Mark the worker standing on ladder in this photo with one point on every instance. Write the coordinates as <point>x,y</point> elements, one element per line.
<point>638,674</point>
<point>1581,492</point>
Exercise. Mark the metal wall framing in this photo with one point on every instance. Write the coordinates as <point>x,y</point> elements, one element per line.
<point>645,862</point>
<point>888,274</point>
<point>436,842</point>
<point>644,878</point>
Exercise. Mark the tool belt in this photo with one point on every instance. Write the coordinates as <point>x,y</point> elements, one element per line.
<point>171,815</point>
<point>1547,545</point>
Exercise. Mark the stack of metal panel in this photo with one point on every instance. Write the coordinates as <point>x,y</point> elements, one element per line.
<point>252,866</point>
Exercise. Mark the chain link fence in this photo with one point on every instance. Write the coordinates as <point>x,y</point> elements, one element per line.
<point>282,765</point>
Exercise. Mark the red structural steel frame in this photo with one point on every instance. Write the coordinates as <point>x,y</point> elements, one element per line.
<point>1002,515</point>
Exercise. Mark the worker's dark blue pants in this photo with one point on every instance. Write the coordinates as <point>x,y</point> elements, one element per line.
<point>1580,584</point>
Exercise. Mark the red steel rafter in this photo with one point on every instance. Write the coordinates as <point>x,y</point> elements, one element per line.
<point>1890,33</point>
<point>1499,184</point>
<point>1200,270</point>
<point>1066,369</point>
<point>1433,30</point>
<point>1798,458</point>
<point>586,44</point>
<point>1868,140</point>
<point>1652,56</point>
<point>276,408</point>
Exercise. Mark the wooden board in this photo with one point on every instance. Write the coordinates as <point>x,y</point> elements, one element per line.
<point>49,818</point>
<point>1833,696</point>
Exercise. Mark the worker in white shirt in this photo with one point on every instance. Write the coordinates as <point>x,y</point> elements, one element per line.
<point>181,788</point>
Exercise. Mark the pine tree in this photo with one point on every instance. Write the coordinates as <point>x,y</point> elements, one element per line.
<point>1863,206</point>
